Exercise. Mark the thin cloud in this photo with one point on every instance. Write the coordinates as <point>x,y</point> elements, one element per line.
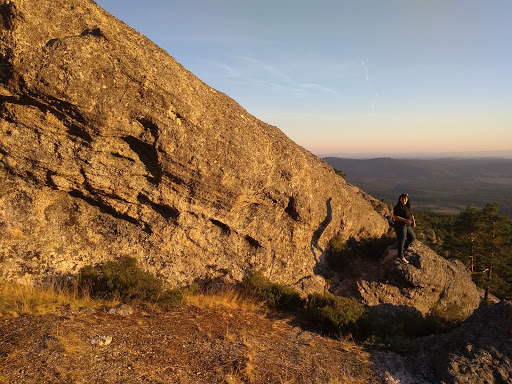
<point>265,69</point>
<point>254,72</point>
<point>229,71</point>
<point>279,80</point>
<point>318,87</point>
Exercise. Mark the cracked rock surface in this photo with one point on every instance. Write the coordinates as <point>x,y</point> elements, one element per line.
<point>109,147</point>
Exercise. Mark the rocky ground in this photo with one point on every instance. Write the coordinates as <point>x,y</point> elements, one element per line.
<point>222,338</point>
<point>189,344</point>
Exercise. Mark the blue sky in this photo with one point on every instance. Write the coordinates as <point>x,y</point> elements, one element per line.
<point>336,76</point>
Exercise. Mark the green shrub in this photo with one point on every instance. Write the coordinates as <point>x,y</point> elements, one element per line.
<point>343,255</point>
<point>373,330</point>
<point>374,247</point>
<point>340,173</point>
<point>342,315</point>
<point>341,258</point>
<point>398,334</point>
<point>444,319</point>
<point>125,280</point>
<point>332,314</point>
<point>337,243</point>
<point>273,294</point>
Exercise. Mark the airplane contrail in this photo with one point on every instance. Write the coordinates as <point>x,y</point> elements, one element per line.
<point>365,69</point>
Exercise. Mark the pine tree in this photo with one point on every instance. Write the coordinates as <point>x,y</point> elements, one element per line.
<point>483,241</point>
<point>467,241</point>
<point>496,253</point>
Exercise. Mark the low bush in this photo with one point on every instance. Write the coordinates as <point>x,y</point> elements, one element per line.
<point>374,247</point>
<point>273,294</point>
<point>341,258</point>
<point>335,315</point>
<point>125,280</point>
<point>399,334</point>
<point>340,173</point>
<point>343,255</point>
<point>332,314</point>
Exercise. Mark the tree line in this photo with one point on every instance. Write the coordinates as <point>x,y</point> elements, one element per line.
<point>480,238</point>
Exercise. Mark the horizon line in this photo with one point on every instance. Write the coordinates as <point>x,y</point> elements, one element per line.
<point>503,154</point>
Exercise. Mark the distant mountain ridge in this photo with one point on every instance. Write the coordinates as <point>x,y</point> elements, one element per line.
<point>499,154</point>
<point>441,185</point>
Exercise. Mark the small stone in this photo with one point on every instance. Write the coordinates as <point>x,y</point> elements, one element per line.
<point>101,340</point>
<point>121,310</point>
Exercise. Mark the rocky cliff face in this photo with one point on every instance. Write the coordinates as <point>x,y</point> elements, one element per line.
<point>109,147</point>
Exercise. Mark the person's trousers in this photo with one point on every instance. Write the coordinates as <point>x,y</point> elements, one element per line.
<point>405,236</point>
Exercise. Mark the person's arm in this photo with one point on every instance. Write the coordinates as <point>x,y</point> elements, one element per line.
<point>399,218</point>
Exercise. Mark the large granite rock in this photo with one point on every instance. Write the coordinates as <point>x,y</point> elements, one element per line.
<point>109,147</point>
<point>428,284</point>
<point>479,351</point>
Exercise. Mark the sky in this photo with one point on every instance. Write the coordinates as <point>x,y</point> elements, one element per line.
<point>350,77</point>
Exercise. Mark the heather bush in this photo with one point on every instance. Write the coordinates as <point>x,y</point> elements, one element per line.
<point>332,314</point>
<point>125,280</point>
<point>273,294</point>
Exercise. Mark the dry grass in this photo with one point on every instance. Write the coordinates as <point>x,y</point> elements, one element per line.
<point>17,299</point>
<point>71,343</point>
<point>230,299</point>
<point>221,337</point>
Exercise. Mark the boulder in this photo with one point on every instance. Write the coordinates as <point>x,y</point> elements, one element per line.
<point>109,147</point>
<point>479,351</point>
<point>427,284</point>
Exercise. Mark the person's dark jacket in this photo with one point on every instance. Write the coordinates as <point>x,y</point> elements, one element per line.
<point>402,211</point>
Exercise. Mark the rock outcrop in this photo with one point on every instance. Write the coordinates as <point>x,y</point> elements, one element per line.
<point>479,351</point>
<point>109,147</point>
<point>428,284</point>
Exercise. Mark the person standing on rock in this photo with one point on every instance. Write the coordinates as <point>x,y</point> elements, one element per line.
<point>404,224</point>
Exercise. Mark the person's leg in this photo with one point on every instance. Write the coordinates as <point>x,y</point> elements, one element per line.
<point>410,237</point>
<point>401,232</point>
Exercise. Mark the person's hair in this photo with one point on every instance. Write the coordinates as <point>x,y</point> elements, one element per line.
<point>408,204</point>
